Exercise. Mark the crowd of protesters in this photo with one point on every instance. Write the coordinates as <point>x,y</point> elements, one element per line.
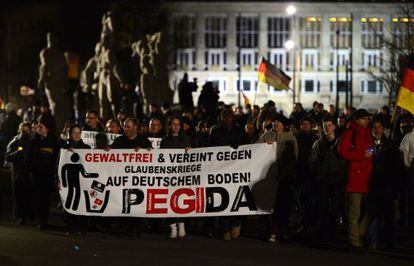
<point>335,168</point>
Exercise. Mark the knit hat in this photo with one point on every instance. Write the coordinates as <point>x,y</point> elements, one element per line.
<point>283,119</point>
<point>308,119</point>
<point>360,113</point>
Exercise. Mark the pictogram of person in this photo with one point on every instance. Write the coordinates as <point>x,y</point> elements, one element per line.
<point>70,178</point>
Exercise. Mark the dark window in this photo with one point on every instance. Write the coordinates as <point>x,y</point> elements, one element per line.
<point>341,85</point>
<point>309,85</point>
<point>246,85</point>
<point>372,86</point>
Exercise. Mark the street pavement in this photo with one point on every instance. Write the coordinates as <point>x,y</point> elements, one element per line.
<point>25,245</point>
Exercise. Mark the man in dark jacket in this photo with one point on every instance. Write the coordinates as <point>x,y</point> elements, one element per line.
<point>383,187</point>
<point>305,178</point>
<point>92,122</point>
<point>330,175</point>
<point>131,140</point>
<point>227,133</point>
<point>41,161</point>
<point>155,128</point>
<point>16,153</point>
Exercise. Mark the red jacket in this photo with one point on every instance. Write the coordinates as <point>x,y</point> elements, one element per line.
<point>352,146</point>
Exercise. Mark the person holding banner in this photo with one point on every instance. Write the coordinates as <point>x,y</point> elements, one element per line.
<point>92,122</point>
<point>155,128</point>
<point>113,127</point>
<point>75,222</point>
<point>227,133</point>
<point>176,139</point>
<point>287,155</point>
<point>131,140</point>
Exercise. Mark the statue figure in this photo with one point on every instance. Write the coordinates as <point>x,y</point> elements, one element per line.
<point>89,79</point>
<point>159,60</point>
<point>154,75</point>
<point>107,24</point>
<point>53,80</point>
<point>147,72</point>
<point>109,79</point>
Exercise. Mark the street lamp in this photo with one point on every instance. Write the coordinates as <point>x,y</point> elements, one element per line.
<point>291,10</point>
<point>290,44</point>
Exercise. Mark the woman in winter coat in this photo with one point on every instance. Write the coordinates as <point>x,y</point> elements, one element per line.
<point>175,139</point>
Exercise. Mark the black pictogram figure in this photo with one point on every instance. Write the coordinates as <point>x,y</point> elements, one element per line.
<point>70,178</point>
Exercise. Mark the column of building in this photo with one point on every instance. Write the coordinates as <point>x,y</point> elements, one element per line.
<point>263,47</point>
<point>200,48</point>
<point>232,50</point>
<point>325,68</point>
<point>357,54</point>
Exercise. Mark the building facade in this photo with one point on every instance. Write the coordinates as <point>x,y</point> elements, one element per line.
<point>212,39</point>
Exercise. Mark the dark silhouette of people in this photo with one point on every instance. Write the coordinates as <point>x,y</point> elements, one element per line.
<point>185,90</point>
<point>70,178</point>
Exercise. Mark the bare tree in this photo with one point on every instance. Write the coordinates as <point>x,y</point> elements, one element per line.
<point>399,47</point>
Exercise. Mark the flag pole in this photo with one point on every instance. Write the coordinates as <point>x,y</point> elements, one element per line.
<point>240,60</point>
<point>255,93</point>
<point>394,112</point>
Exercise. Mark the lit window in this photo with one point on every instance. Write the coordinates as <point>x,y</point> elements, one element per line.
<point>278,31</point>
<point>372,32</point>
<point>216,59</point>
<point>249,58</point>
<point>185,59</point>
<point>279,57</point>
<point>185,31</point>
<point>344,26</point>
<point>247,32</point>
<point>372,59</point>
<point>310,59</point>
<point>310,32</point>
<point>215,32</point>
<point>402,30</point>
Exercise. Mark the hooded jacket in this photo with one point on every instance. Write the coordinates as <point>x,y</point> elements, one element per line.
<point>352,146</point>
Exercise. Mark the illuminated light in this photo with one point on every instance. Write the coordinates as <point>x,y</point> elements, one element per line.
<point>344,19</point>
<point>291,10</point>
<point>373,20</point>
<point>363,19</point>
<point>289,45</point>
<point>395,20</point>
<point>404,19</point>
<point>310,19</point>
<point>332,19</point>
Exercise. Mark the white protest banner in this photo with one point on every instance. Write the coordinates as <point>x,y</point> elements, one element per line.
<point>88,137</point>
<point>155,142</point>
<point>215,181</point>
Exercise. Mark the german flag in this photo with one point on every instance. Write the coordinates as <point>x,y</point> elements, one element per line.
<point>406,94</point>
<point>273,76</point>
<point>246,99</point>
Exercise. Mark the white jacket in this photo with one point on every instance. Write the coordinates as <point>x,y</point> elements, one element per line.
<point>407,148</point>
